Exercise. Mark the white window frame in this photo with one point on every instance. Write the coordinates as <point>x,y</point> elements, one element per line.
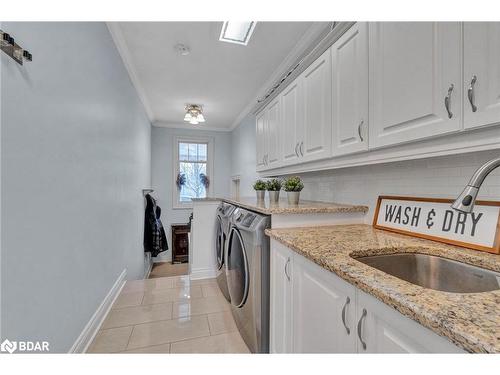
<point>176,203</point>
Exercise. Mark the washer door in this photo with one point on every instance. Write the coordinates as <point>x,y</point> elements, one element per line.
<point>237,269</point>
<point>219,244</point>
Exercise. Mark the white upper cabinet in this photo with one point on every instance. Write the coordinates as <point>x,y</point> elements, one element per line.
<point>261,141</point>
<point>317,89</point>
<point>272,133</point>
<point>292,122</point>
<point>350,91</point>
<point>481,74</point>
<point>415,81</point>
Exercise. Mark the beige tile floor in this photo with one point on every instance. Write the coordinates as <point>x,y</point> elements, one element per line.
<point>167,269</point>
<point>169,315</point>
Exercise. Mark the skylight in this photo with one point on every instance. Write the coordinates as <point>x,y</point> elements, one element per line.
<point>237,32</point>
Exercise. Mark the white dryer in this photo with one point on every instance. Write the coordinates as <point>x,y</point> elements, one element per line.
<point>247,268</point>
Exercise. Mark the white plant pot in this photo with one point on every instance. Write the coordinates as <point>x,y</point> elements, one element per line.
<point>293,197</point>
<point>260,194</point>
<point>274,196</point>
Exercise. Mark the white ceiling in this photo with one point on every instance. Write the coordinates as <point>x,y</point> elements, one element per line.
<point>225,78</point>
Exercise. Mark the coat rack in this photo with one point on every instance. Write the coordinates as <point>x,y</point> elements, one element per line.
<point>12,49</point>
<point>147,191</point>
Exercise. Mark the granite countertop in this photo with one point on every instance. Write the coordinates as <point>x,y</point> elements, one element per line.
<point>471,321</point>
<point>304,207</point>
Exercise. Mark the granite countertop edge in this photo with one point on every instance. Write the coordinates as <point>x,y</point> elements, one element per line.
<point>304,207</point>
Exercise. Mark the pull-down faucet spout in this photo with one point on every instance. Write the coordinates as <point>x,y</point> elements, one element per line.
<point>465,201</point>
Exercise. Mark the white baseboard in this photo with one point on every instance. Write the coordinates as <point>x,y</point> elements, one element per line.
<point>83,341</point>
<point>202,273</point>
<point>148,271</point>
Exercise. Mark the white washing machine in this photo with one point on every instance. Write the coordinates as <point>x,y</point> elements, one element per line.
<point>224,212</point>
<point>247,269</point>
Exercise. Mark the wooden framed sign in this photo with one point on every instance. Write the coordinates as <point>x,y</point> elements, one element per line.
<point>434,219</point>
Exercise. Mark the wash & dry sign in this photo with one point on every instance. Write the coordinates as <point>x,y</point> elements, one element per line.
<point>434,219</point>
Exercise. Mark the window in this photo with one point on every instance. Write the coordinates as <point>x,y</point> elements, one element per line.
<point>192,163</point>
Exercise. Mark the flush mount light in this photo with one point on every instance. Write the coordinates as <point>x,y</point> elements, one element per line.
<point>237,32</point>
<point>194,114</point>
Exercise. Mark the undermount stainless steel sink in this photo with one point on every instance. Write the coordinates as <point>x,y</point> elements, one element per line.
<point>436,273</point>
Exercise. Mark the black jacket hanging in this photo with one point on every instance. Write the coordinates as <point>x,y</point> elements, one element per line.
<point>155,240</point>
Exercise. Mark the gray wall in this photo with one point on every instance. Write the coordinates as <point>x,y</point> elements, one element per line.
<point>75,154</point>
<point>162,164</point>
<point>244,155</point>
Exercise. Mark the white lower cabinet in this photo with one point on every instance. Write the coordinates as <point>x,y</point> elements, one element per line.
<point>315,311</point>
<point>322,310</point>
<point>280,300</point>
<point>415,81</point>
<point>381,329</point>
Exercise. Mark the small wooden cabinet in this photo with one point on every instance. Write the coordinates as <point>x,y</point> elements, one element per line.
<point>180,243</point>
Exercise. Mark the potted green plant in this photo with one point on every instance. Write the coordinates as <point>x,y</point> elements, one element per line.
<point>273,187</point>
<point>293,186</point>
<point>260,188</point>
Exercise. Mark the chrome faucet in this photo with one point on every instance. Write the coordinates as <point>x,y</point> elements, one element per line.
<point>465,201</point>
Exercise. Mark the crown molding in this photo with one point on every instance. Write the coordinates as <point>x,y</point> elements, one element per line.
<point>187,126</point>
<point>309,37</point>
<point>121,46</point>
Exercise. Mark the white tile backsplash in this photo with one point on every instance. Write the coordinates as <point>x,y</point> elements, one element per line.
<point>434,177</point>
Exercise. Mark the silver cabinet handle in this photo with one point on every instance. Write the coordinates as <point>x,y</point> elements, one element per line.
<point>296,151</point>
<point>447,101</point>
<point>360,322</point>
<point>359,130</point>
<point>286,268</point>
<point>347,301</point>
<point>301,150</point>
<point>470,93</point>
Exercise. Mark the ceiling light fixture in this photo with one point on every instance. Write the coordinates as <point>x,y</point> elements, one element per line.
<point>237,32</point>
<point>194,114</point>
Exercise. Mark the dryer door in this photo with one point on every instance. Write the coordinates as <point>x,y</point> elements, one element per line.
<point>237,269</point>
<point>219,244</point>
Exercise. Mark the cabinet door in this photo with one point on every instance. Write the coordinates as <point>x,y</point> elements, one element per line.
<point>280,299</point>
<point>319,301</point>
<point>261,141</point>
<point>291,129</point>
<point>414,66</point>
<point>272,133</point>
<point>384,330</point>
<point>316,142</point>
<point>350,91</point>
<point>481,60</point>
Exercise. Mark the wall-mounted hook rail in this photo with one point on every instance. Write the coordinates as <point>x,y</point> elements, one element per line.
<point>12,49</point>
